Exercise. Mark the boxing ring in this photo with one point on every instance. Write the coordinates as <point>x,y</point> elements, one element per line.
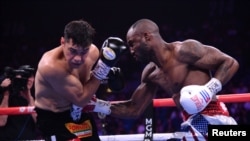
<point>164,102</point>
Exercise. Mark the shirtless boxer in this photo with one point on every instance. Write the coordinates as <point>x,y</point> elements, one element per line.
<point>190,72</point>
<point>65,82</point>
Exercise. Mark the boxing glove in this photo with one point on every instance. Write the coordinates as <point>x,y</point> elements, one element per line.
<point>111,50</point>
<point>97,105</point>
<point>115,79</point>
<point>194,98</point>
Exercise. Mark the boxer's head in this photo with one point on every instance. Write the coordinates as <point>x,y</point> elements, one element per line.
<point>80,32</point>
<point>140,39</point>
<point>77,39</point>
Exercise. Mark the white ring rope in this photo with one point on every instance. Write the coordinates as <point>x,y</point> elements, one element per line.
<point>140,137</point>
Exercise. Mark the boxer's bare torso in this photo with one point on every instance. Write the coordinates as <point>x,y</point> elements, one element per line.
<point>174,74</point>
<point>53,65</point>
<point>174,66</point>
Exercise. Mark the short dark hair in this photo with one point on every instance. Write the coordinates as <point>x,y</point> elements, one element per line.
<point>80,31</point>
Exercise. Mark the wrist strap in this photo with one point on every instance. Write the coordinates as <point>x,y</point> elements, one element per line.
<point>214,85</point>
<point>102,106</point>
<point>101,70</point>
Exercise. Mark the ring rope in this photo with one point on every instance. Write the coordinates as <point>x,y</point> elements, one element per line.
<point>156,136</point>
<point>139,137</point>
<point>227,98</point>
<point>164,102</point>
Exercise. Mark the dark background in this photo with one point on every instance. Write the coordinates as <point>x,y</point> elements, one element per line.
<point>29,28</point>
<point>39,24</point>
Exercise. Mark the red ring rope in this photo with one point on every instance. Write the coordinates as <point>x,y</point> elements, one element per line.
<point>17,110</point>
<point>164,102</point>
<point>227,98</point>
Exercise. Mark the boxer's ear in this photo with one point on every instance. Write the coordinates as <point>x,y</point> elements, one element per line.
<point>147,36</point>
<point>62,40</point>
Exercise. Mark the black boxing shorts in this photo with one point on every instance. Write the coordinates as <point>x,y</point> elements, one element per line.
<point>61,127</point>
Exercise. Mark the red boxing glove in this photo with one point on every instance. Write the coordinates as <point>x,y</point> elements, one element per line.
<point>97,105</point>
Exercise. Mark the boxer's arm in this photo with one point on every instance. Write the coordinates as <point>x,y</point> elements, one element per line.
<point>114,82</point>
<point>67,85</point>
<point>140,99</point>
<point>195,98</point>
<point>136,105</point>
<point>208,57</point>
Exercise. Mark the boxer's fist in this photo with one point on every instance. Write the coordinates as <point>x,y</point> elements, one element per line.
<point>111,50</point>
<point>194,98</point>
<point>115,79</point>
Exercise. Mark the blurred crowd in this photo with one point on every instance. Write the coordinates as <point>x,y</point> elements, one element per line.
<point>222,29</point>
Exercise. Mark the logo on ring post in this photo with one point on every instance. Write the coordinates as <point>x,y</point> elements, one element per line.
<point>108,53</point>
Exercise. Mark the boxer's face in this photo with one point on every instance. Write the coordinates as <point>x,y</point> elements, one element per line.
<point>74,54</point>
<point>138,47</point>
